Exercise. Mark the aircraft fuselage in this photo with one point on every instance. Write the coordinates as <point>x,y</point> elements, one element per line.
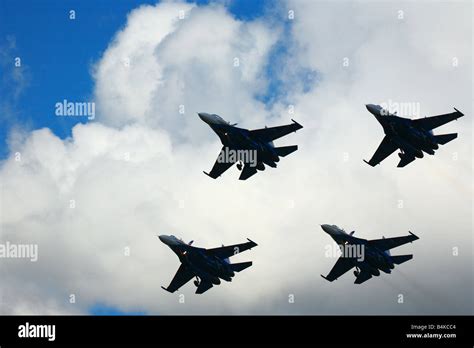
<point>412,140</point>
<point>206,267</point>
<point>372,260</point>
<point>240,139</point>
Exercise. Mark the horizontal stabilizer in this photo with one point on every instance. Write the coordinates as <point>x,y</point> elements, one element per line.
<point>285,150</point>
<point>405,160</point>
<point>362,277</point>
<point>445,138</point>
<point>203,287</point>
<point>237,267</point>
<point>401,259</point>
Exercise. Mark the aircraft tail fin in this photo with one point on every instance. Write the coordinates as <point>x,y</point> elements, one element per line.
<point>285,150</point>
<point>401,259</point>
<point>445,138</point>
<point>237,267</point>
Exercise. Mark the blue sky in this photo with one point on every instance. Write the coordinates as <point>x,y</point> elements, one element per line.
<point>103,309</point>
<point>57,55</point>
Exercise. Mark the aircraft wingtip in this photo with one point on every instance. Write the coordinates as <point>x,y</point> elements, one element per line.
<point>297,123</point>
<point>461,114</point>
<point>251,241</point>
<point>368,163</point>
<point>208,174</point>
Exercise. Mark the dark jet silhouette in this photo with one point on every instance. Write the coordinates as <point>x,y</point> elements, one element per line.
<point>369,257</point>
<point>209,266</point>
<point>250,149</point>
<point>412,137</point>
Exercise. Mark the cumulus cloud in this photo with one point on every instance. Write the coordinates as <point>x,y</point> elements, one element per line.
<point>160,70</point>
<point>137,172</point>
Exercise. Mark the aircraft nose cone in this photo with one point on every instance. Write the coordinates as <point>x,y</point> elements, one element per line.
<point>163,239</point>
<point>373,109</point>
<point>326,228</point>
<point>204,116</point>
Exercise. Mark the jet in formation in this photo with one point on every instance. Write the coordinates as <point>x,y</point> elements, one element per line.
<point>208,266</point>
<point>250,149</point>
<point>369,257</point>
<point>412,137</point>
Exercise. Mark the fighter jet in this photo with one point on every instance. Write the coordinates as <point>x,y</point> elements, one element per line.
<point>369,257</point>
<point>250,149</point>
<point>209,266</point>
<point>412,137</point>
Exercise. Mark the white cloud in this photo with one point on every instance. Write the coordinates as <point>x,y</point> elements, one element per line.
<point>138,173</point>
<point>182,62</point>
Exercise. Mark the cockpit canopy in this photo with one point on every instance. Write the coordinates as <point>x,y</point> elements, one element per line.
<point>219,119</point>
